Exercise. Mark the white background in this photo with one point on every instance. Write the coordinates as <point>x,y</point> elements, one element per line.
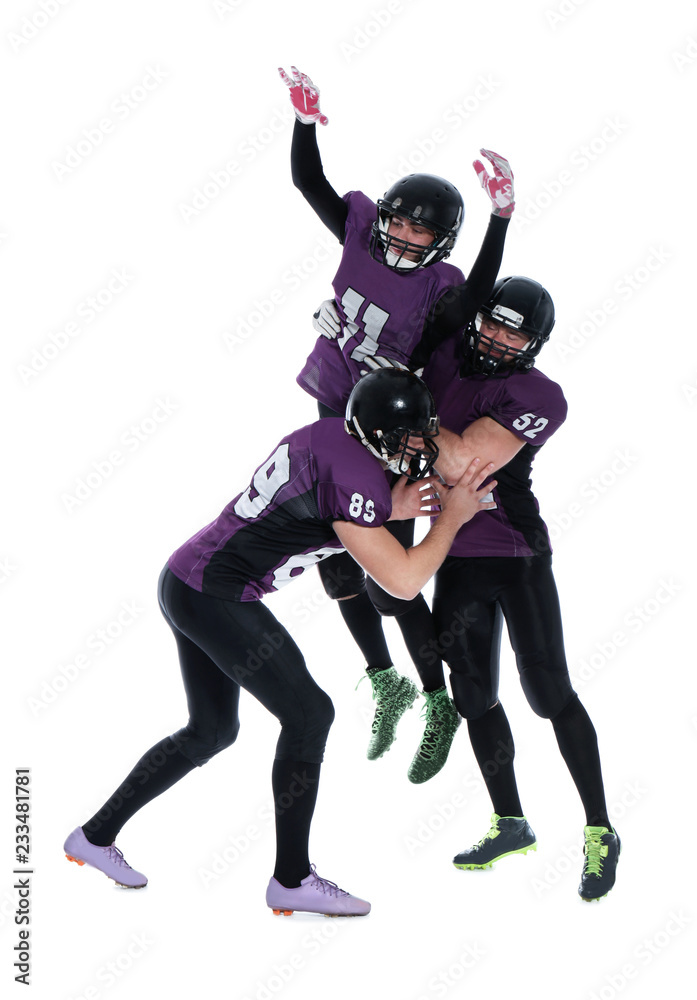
<point>221,267</point>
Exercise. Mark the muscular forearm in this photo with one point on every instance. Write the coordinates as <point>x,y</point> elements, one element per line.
<point>484,439</point>
<point>422,560</point>
<point>403,572</point>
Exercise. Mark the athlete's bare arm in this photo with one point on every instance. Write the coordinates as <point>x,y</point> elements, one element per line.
<point>484,438</point>
<point>403,572</point>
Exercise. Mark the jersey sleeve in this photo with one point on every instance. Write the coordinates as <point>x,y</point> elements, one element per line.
<point>532,407</point>
<point>367,504</point>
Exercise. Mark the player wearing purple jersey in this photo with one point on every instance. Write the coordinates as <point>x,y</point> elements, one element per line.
<point>497,405</point>
<point>395,300</point>
<point>321,488</point>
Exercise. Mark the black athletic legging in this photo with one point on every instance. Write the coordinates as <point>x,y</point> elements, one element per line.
<point>226,645</point>
<point>470,601</point>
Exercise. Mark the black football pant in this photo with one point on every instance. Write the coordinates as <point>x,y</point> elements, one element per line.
<point>472,598</point>
<point>225,646</point>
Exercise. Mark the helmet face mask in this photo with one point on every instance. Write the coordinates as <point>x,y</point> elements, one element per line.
<point>425,200</point>
<point>400,254</point>
<point>519,304</point>
<point>385,411</point>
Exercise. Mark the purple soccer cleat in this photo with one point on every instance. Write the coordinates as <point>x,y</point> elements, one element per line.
<point>109,860</point>
<point>314,895</point>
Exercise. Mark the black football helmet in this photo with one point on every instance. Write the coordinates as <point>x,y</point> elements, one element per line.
<point>427,200</point>
<point>387,407</point>
<point>520,304</point>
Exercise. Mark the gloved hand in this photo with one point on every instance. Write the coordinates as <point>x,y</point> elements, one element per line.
<point>326,320</point>
<point>500,186</point>
<point>304,97</point>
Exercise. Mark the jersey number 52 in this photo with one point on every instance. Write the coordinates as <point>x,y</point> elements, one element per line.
<point>520,423</point>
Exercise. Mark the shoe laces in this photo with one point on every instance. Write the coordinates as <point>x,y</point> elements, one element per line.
<point>375,685</point>
<point>115,855</point>
<point>493,831</point>
<point>595,851</point>
<point>429,707</point>
<point>380,709</point>
<point>325,885</point>
<point>439,724</point>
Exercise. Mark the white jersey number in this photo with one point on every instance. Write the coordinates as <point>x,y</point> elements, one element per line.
<point>374,319</point>
<point>268,479</point>
<point>520,423</point>
<point>284,574</point>
<point>356,508</point>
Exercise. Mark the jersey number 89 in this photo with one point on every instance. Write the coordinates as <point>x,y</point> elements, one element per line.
<point>356,507</point>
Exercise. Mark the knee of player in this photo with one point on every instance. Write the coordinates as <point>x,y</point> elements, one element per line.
<point>304,728</point>
<point>547,692</point>
<point>313,713</point>
<point>471,699</point>
<point>322,710</point>
<point>200,746</point>
<point>343,581</point>
<point>387,605</point>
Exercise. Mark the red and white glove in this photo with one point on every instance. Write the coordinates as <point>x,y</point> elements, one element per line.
<point>304,97</point>
<point>500,186</point>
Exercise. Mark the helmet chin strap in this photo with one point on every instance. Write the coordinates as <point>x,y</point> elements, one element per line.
<point>393,462</point>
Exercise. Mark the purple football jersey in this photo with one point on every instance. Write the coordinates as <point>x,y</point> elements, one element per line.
<point>282,523</point>
<point>532,407</point>
<point>382,312</point>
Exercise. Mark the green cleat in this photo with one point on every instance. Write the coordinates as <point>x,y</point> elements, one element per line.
<point>602,851</point>
<point>442,720</point>
<point>394,694</point>
<point>508,835</point>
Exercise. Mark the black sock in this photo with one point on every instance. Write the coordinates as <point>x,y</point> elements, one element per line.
<point>365,625</point>
<point>294,784</point>
<point>579,747</point>
<point>419,634</point>
<point>492,742</point>
<point>156,771</point>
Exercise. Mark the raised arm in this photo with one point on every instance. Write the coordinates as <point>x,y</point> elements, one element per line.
<point>306,165</point>
<point>403,572</point>
<point>456,307</point>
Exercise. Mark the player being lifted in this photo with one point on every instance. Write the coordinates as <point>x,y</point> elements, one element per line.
<point>498,406</point>
<point>319,490</point>
<point>396,300</point>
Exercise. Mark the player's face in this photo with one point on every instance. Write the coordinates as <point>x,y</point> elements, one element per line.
<point>498,339</point>
<point>401,228</point>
